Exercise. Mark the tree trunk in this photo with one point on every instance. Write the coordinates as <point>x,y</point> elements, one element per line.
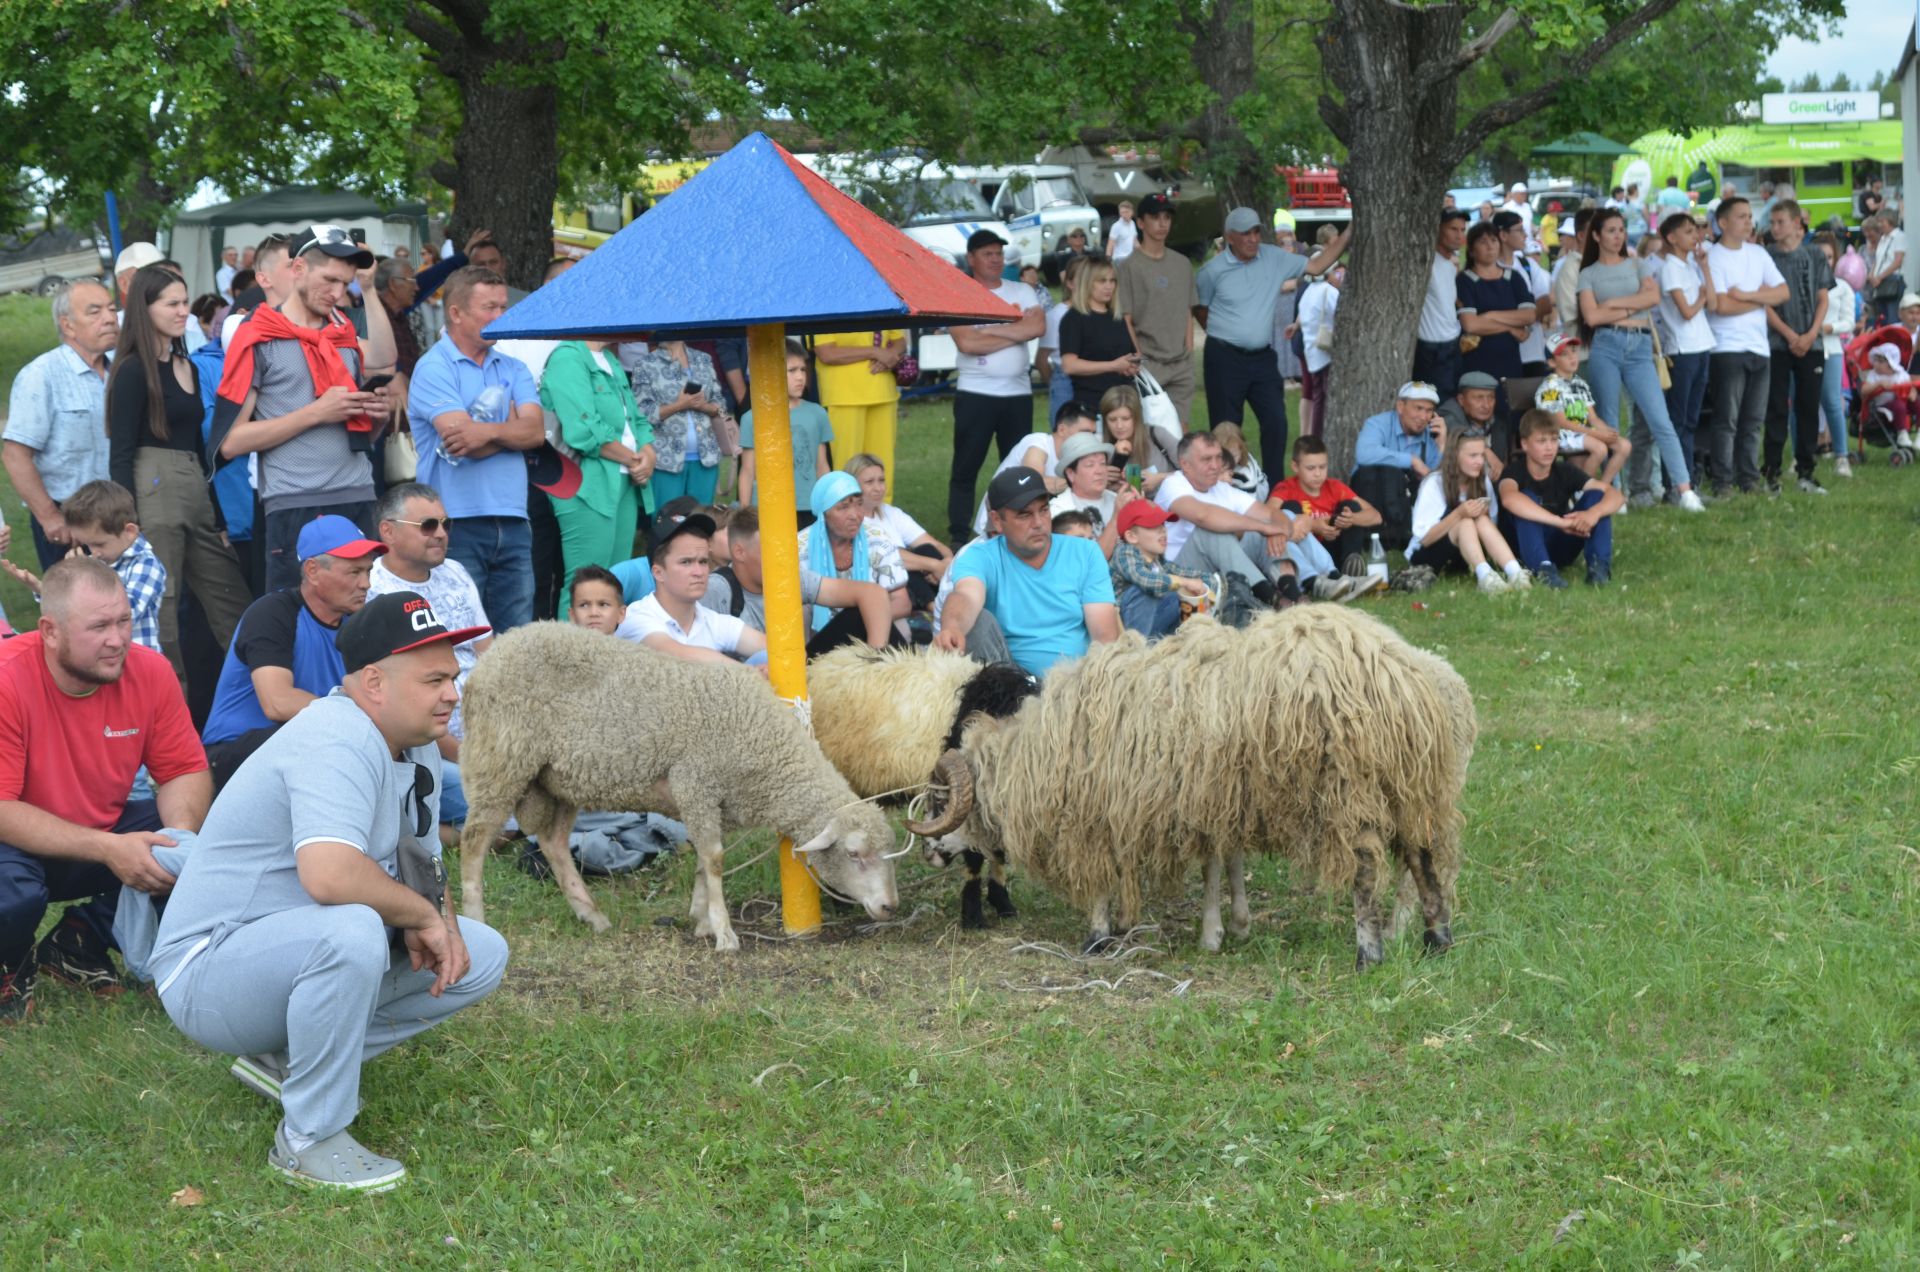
<point>143,204</point>
<point>1396,118</point>
<point>1223,57</point>
<point>508,166</point>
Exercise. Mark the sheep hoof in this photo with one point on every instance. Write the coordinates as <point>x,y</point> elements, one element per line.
<point>1096,943</point>
<point>1439,939</point>
<point>726,943</point>
<point>1001,902</point>
<point>599,922</point>
<point>1210,941</point>
<point>1239,928</point>
<point>1366,960</point>
<point>972,921</point>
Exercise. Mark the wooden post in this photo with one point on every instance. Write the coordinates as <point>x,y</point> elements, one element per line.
<point>780,563</point>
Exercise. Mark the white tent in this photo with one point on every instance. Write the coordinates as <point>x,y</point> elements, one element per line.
<point>199,236</point>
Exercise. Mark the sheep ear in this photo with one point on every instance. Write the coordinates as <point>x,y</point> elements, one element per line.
<point>825,838</point>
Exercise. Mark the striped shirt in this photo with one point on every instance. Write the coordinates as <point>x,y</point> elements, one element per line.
<point>316,467</point>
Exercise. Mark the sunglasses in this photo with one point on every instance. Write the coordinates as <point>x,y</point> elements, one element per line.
<point>422,788</point>
<point>431,526</point>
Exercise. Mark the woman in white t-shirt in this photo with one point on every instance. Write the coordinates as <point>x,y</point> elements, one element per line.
<point>925,557</point>
<point>1686,294</point>
<point>1839,324</point>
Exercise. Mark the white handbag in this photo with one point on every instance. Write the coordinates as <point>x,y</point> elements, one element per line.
<point>1158,409</point>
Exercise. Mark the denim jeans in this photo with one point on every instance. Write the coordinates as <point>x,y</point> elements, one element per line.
<point>1537,545</point>
<point>1833,404</point>
<point>1059,393</point>
<point>1684,400</point>
<point>29,884</point>
<point>1438,363</point>
<point>1625,357</point>
<point>498,553</point>
<point>1739,411</point>
<point>1151,616</point>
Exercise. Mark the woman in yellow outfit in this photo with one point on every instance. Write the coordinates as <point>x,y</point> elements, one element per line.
<point>858,388</point>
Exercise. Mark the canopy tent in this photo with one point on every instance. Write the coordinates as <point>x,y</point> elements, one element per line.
<point>1772,146</point>
<point>199,236</point>
<point>757,240</point>
<point>1586,144</point>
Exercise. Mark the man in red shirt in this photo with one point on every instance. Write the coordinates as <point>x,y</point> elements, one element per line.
<point>81,709</point>
<point>1341,519</point>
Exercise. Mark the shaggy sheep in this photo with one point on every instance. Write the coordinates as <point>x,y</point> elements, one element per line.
<point>560,718</point>
<point>885,717</point>
<point>1318,734</point>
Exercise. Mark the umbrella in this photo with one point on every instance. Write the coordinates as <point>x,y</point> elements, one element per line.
<point>1588,144</point>
<point>757,240</point>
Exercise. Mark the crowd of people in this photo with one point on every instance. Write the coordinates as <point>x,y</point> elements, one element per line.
<point>331,473</point>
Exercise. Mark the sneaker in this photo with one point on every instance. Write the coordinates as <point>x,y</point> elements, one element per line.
<point>1549,575</point>
<point>72,953</point>
<point>1355,565</point>
<point>1771,486</point>
<point>1599,574</point>
<point>1843,467</point>
<point>1359,585</point>
<point>1415,578</point>
<point>1690,502</point>
<point>262,1074</point>
<point>1808,486</point>
<point>1521,582</point>
<point>1328,587</point>
<point>1642,499</point>
<point>338,1161</point>
<point>16,992</point>
<point>1493,585</point>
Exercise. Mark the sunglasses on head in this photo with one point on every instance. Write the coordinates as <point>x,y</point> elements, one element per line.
<point>431,526</point>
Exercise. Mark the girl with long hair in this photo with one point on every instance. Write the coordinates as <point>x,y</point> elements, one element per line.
<point>154,449</point>
<point>1616,297</point>
<point>1456,525</point>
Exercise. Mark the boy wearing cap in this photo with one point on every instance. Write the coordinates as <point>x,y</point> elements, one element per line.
<point>1394,451</point>
<point>290,392</point>
<point>1049,595</point>
<point>1147,588</point>
<point>283,655</point>
<point>1589,440</point>
<point>310,930</point>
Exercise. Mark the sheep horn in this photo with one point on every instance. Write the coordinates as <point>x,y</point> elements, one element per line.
<point>953,772</point>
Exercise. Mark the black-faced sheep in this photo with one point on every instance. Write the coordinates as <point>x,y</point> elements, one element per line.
<point>1318,734</point>
<point>561,718</point>
<point>885,717</point>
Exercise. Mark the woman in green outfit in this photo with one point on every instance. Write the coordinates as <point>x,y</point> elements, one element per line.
<point>586,388</point>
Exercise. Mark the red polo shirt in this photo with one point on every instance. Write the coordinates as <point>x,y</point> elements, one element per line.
<point>76,757</point>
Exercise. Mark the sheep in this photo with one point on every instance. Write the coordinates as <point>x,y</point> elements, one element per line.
<point>561,718</point>
<point>884,717</point>
<point>1317,733</point>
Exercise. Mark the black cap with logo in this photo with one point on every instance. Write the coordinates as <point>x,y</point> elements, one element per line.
<point>393,624</point>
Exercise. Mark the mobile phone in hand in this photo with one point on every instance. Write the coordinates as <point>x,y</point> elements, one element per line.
<point>693,389</point>
<point>374,383</point>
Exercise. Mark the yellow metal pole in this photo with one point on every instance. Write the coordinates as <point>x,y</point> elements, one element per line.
<point>780,562</point>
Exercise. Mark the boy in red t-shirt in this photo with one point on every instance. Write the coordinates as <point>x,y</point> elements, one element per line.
<point>1341,519</point>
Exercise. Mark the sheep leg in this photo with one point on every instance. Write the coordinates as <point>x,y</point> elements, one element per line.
<point>476,837</point>
<point>971,915</point>
<point>1210,916</point>
<point>1404,893</point>
<point>725,940</point>
<point>1368,866</point>
<point>1435,906</point>
<point>555,843</point>
<point>1100,926</point>
<point>1242,917</point>
<point>997,895</point>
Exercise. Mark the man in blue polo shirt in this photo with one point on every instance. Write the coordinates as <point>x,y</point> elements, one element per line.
<point>283,655</point>
<point>1394,453</point>
<point>1050,595</point>
<point>1239,291</point>
<point>470,449</point>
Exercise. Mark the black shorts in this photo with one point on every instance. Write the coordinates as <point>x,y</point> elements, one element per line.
<point>1440,556</point>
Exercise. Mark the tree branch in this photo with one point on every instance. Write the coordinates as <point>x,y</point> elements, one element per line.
<point>445,173</point>
<point>1500,114</point>
<point>432,32</point>
<point>1469,53</point>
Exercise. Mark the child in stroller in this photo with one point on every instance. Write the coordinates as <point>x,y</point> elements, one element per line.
<point>1888,396</point>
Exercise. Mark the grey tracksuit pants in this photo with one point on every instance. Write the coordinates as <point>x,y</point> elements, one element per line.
<point>318,984</point>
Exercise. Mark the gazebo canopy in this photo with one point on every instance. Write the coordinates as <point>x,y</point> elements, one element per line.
<point>755,239</point>
<point>1585,143</point>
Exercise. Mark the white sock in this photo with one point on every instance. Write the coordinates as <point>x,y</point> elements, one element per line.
<point>1482,571</point>
<point>1513,570</point>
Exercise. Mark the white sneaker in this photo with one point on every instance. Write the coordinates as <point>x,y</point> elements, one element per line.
<point>1520,582</point>
<point>1492,584</point>
<point>1842,467</point>
<point>1808,486</point>
<point>1690,502</point>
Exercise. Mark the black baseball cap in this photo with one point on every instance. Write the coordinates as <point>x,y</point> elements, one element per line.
<point>392,624</point>
<point>333,241</point>
<point>699,525</point>
<point>1505,220</point>
<point>983,238</point>
<point>1015,489</point>
<point>1154,203</point>
<point>1453,214</point>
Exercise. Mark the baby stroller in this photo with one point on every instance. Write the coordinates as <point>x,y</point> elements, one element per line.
<point>1874,425</point>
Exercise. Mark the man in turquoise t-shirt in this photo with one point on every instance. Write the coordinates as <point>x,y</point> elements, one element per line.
<point>1050,595</point>
<point>811,430</point>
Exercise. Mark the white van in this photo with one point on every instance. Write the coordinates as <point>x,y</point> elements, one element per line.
<point>1041,204</point>
<point>929,203</point>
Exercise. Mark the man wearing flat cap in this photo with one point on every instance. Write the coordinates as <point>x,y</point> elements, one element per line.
<point>309,930</point>
<point>1394,451</point>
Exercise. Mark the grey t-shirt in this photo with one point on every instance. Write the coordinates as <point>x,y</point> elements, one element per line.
<point>316,467</point>
<point>327,775</point>
<point>753,607</point>
<point>1611,282</point>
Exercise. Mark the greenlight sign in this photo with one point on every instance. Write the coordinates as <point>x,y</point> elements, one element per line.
<point>1819,108</point>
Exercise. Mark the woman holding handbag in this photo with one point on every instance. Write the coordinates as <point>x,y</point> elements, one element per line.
<point>585,388</point>
<point>154,450</point>
<point>860,377</point>
<point>1616,302</point>
<point>679,390</point>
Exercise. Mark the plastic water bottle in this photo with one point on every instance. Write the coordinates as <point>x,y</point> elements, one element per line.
<point>1377,561</point>
<point>490,407</point>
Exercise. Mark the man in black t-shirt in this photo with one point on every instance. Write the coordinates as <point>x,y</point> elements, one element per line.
<point>1553,512</point>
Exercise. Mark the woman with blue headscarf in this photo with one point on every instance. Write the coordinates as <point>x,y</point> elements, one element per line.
<point>840,544</point>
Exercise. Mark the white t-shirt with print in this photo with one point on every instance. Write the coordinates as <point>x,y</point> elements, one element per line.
<point>1004,372</point>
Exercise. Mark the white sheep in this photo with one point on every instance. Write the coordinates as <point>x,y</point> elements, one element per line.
<point>560,718</point>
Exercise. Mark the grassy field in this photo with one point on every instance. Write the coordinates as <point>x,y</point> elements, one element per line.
<point>1677,1031</point>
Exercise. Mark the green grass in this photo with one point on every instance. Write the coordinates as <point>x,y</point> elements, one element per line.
<point>1683,1005</point>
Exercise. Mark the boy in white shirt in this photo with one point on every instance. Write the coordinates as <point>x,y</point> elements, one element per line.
<point>672,621</point>
<point>1745,281</point>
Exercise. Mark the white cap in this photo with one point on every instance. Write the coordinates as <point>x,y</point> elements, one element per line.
<point>137,256</point>
<point>1889,351</point>
<point>1419,391</point>
<point>1909,300</point>
<point>1518,187</point>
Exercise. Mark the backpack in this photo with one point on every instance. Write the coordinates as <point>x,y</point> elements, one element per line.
<point>736,595</point>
